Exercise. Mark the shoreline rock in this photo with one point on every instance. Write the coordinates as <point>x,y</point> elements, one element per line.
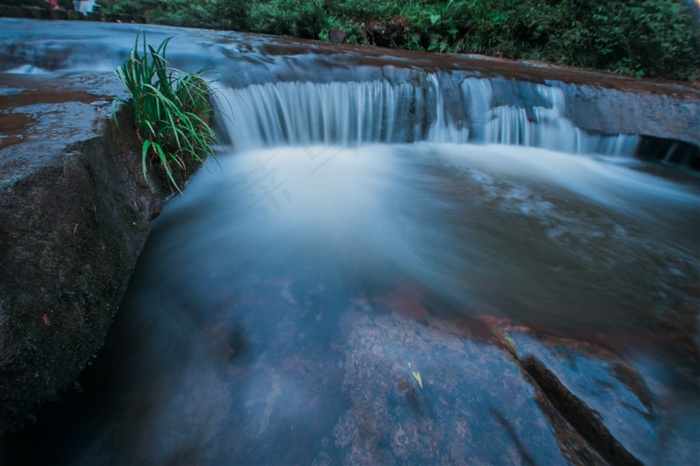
<point>75,212</point>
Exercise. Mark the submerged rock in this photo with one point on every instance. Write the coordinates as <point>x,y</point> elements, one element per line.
<point>472,404</point>
<point>605,399</point>
<point>602,397</point>
<point>274,375</point>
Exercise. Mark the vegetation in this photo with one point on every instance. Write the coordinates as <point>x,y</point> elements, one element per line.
<point>171,109</point>
<point>652,38</point>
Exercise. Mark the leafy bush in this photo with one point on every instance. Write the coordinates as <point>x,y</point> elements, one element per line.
<point>126,7</point>
<point>306,18</point>
<point>211,14</point>
<point>171,109</point>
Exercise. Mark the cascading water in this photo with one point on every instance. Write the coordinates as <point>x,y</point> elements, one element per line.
<point>352,113</point>
<point>318,294</point>
<point>342,200</point>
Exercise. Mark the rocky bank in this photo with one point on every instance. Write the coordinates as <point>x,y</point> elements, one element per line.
<point>75,211</point>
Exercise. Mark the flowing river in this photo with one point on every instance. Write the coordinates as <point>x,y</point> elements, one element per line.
<point>434,197</point>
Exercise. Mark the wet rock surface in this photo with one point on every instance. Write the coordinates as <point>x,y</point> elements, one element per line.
<point>275,376</point>
<point>606,400</point>
<point>604,109</point>
<point>75,212</point>
<point>601,396</point>
<point>472,404</point>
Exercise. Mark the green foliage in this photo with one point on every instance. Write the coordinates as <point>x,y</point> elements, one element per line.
<point>305,18</point>
<point>126,7</point>
<point>210,14</point>
<point>171,108</point>
<point>653,38</point>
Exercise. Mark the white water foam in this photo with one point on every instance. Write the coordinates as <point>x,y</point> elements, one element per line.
<point>27,69</point>
<point>352,113</point>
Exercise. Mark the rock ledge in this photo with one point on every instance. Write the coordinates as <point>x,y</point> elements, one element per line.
<point>75,212</point>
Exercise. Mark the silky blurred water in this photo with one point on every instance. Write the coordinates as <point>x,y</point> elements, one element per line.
<point>251,275</point>
<point>269,249</point>
<point>550,238</point>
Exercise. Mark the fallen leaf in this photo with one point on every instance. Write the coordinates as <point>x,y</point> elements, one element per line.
<point>416,375</point>
<point>46,320</point>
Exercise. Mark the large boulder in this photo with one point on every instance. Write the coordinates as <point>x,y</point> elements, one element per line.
<point>75,212</point>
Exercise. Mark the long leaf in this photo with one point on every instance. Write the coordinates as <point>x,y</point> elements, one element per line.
<point>168,105</point>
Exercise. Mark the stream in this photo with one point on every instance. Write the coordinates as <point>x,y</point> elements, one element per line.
<point>422,205</point>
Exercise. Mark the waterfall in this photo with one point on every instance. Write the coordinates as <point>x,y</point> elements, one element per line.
<point>353,113</point>
<point>299,113</point>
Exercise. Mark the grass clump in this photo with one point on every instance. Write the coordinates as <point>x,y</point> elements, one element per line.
<point>171,109</point>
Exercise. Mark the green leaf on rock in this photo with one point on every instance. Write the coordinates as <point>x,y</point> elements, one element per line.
<point>416,375</point>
